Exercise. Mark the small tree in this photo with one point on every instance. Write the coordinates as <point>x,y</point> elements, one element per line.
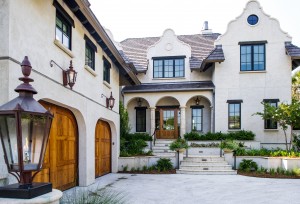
<point>124,121</point>
<point>285,115</point>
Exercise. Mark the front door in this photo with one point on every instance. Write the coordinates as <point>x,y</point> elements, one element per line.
<point>60,162</point>
<point>166,123</point>
<point>102,149</point>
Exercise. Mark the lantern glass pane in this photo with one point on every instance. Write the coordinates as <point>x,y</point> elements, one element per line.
<point>8,134</point>
<point>33,133</point>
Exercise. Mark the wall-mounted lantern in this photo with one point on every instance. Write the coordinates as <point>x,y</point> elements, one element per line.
<point>197,101</point>
<point>69,75</point>
<point>110,102</point>
<point>24,132</point>
<point>139,102</point>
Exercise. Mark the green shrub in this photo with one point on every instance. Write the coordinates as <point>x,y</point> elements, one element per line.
<point>212,145</point>
<point>266,153</point>
<point>248,165</point>
<point>164,164</point>
<point>296,142</point>
<point>145,168</point>
<point>238,135</point>
<point>272,171</point>
<point>296,171</point>
<point>178,144</point>
<point>137,136</point>
<point>229,144</point>
<point>125,168</point>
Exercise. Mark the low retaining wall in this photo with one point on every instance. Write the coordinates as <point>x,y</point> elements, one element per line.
<point>247,143</point>
<point>266,162</point>
<point>140,162</point>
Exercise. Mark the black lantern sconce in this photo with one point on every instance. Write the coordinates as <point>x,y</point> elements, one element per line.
<point>197,101</point>
<point>139,102</point>
<point>69,75</point>
<point>110,102</point>
<point>24,131</point>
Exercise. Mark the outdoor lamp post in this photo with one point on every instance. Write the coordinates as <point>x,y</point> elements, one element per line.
<point>24,132</point>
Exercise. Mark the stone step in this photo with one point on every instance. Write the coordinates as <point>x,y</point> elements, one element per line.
<point>160,147</point>
<point>163,151</point>
<point>204,163</point>
<point>207,172</point>
<point>164,155</point>
<point>203,159</point>
<point>163,141</point>
<point>207,168</point>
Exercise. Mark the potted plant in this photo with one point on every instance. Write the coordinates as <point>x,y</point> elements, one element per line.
<point>229,145</point>
<point>179,145</point>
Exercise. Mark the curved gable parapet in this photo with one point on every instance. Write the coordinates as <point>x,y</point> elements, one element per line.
<point>169,45</point>
<point>265,24</point>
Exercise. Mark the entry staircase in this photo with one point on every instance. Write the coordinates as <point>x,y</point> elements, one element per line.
<point>194,164</point>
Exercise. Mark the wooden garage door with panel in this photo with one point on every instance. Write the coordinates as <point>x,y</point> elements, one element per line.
<point>60,163</point>
<point>102,149</point>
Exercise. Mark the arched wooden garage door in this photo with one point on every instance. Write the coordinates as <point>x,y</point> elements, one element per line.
<point>60,163</point>
<point>102,149</point>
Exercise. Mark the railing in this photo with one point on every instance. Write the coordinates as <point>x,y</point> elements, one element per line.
<point>221,153</point>
<point>153,139</point>
<point>234,156</point>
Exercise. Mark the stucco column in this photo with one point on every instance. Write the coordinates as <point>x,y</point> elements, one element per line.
<point>152,119</point>
<point>182,120</point>
<point>212,119</point>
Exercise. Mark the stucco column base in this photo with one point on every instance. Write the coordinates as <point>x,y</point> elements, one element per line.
<point>179,158</point>
<point>51,198</point>
<point>228,156</point>
<point>152,119</point>
<point>182,120</point>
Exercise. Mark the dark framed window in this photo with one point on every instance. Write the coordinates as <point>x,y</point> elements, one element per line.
<point>252,19</point>
<point>271,124</point>
<point>197,118</point>
<point>106,70</point>
<point>234,114</point>
<point>168,67</point>
<point>253,57</point>
<point>140,119</point>
<point>89,56</point>
<point>63,30</point>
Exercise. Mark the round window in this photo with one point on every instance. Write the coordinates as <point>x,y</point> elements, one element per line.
<point>252,19</point>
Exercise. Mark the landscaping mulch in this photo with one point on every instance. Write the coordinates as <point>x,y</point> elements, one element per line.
<point>172,171</point>
<point>267,175</point>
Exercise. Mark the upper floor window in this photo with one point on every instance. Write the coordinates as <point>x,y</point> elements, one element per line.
<point>63,31</point>
<point>89,56</point>
<point>197,118</point>
<point>253,57</point>
<point>90,50</point>
<point>106,70</point>
<point>269,123</point>
<point>63,28</point>
<point>234,114</point>
<point>168,67</point>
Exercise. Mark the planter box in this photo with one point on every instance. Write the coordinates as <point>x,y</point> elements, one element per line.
<point>140,162</point>
<point>249,144</point>
<point>266,162</point>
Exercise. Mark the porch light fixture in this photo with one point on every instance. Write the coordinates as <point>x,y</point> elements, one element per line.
<point>139,102</point>
<point>110,102</point>
<point>69,75</point>
<point>24,132</point>
<point>197,100</point>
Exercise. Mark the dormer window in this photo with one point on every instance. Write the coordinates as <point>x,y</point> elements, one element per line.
<point>168,67</point>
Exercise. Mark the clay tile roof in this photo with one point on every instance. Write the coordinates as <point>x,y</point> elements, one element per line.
<point>135,49</point>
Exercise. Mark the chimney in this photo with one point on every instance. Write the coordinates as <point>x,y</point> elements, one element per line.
<point>205,30</point>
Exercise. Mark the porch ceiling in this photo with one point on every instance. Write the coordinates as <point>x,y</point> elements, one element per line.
<point>169,87</point>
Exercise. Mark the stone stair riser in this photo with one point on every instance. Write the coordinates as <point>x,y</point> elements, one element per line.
<point>203,159</point>
<point>206,168</point>
<point>232,172</point>
<point>208,163</point>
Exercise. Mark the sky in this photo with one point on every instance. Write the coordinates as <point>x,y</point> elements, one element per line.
<point>149,18</point>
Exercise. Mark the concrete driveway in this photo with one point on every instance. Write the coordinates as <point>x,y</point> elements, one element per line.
<point>179,188</point>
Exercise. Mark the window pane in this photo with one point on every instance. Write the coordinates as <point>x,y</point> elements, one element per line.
<point>58,34</point>
<point>66,41</point>
<point>196,119</point>
<point>140,120</point>
<point>58,23</point>
<point>234,116</point>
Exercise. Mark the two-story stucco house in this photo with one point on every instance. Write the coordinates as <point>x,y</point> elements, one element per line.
<point>210,82</point>
<point>84,138</point>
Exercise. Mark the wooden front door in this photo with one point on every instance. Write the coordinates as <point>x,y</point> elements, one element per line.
<point>60,163</point>
<point>166,123</point>
<point>102,149</point>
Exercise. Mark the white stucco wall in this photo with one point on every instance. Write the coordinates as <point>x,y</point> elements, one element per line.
<point>252,87</point>
<point>32,33</point>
